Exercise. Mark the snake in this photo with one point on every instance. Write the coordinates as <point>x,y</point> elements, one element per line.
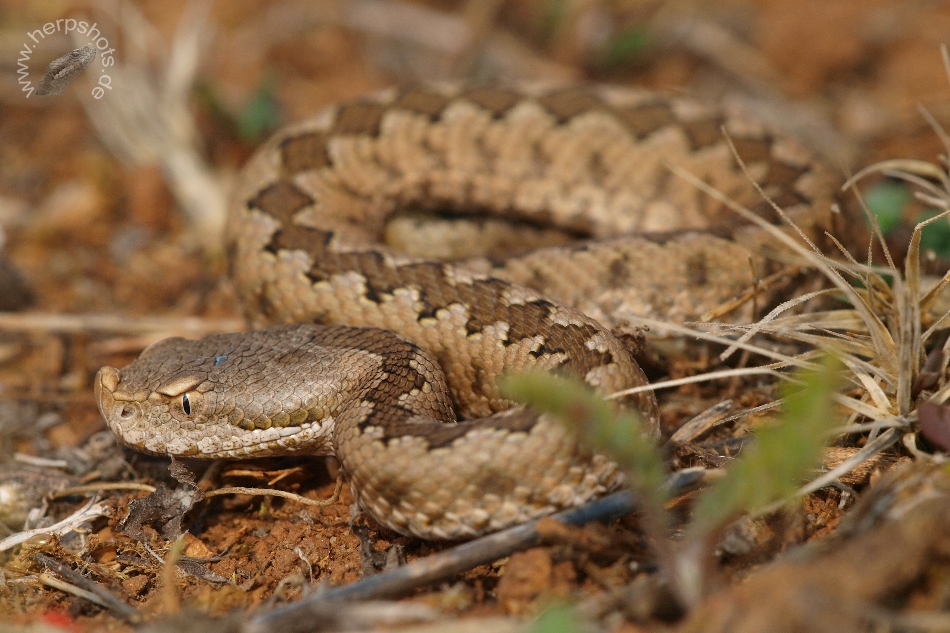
<point>389,357</point>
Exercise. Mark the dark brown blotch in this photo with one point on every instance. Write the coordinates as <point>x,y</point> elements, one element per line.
<point>443,435</point>
<point>783,175</point>
<point>780,184</point>
<point>787,198</point>
<point>484,301</point>
<point>572,339</point>
<point>566,104</point>
<point>697,270</point>
<point>360,117</point>
<point>646,119</point>
<point>430,104</point>
<point>399,361</point>
<point>300,238</point>
<point>395,355</point>
<point>327,263</point>
<point>753,150</point>
<point>528,319</point>
<point>618,272</point>
<point>495,100</point>
<point>703,132</point>
<point>282,200</point>
<point>292,237</point>
<point>304,152</point>
<point>383,279</point>
<point>435,291</point>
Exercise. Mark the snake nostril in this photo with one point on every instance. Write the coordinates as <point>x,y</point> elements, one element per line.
<point>126,411</point>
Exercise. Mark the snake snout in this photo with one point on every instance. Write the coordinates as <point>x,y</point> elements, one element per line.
<point>107,378</point>
<point>107,383</point>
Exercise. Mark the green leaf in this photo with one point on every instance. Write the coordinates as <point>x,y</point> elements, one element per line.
<point>557,620</point>
<point>259,116</point>
<point>886,200</point>
<point>936,236</point>
<point>626,46</point>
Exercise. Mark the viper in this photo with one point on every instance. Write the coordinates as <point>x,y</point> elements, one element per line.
<point>389,359</point>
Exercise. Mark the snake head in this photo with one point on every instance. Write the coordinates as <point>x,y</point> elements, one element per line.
<point>226,395</point>
<point>151,421</point>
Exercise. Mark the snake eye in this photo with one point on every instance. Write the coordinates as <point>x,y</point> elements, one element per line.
<point>186,404</point>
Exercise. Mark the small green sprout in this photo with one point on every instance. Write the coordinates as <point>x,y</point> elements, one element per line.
<point>888,200</point>
<point>259,115</point>
<point>559,619</point>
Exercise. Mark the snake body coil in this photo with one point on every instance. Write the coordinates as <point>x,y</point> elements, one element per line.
<point>305,246</point>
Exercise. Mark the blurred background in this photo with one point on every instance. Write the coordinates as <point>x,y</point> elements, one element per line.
<point>112,195</point>
<point>102,197</point>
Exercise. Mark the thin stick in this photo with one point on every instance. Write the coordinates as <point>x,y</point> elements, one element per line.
<point>88,512</point>
<point>83,587</point>
<point>98,487</point>
<point>460,558</point>
<point>270,492</point>
<point>707,377</point>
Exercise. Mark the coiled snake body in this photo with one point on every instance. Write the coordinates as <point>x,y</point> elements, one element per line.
<point>405,344</point>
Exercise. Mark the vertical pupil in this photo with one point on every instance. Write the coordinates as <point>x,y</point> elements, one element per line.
<point>186,404</point>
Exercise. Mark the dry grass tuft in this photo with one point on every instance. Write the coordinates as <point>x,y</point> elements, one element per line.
<point>881,338</point>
